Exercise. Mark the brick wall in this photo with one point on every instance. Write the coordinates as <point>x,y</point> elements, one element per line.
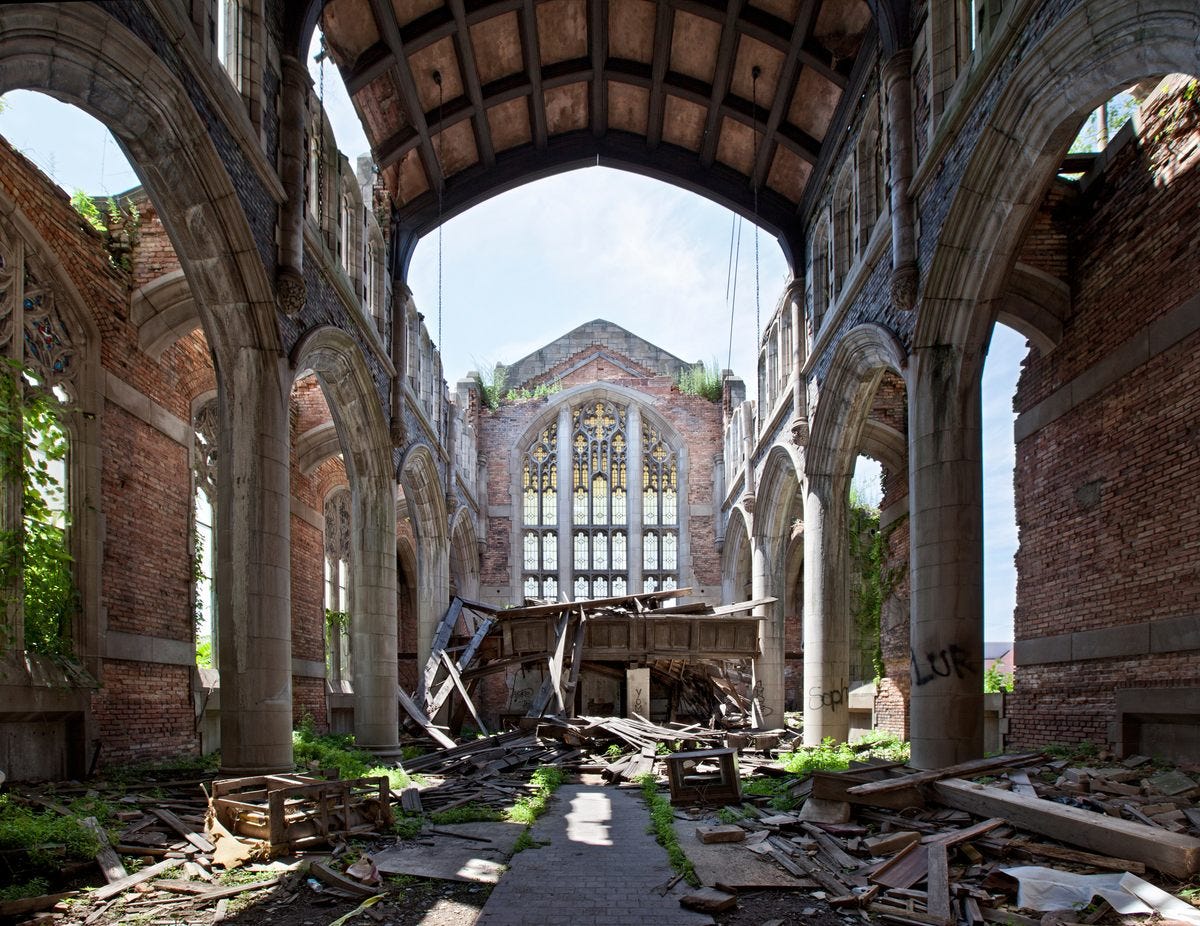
<point>1103,490</point>
<point>144,712</point>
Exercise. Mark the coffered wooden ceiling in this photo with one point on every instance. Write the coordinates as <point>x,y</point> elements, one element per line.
<point>531,87</point>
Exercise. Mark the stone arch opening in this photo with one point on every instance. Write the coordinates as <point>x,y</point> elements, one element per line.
<point>366,448</point>
<point>426,501</point>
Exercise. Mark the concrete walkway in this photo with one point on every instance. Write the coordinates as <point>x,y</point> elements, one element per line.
<point>601,868</point>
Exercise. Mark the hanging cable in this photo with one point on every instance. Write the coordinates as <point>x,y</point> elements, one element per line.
<point>437,79</point>
<point>755,73</point>
<point>733,292</point>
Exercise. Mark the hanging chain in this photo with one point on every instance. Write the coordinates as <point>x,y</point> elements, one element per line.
<point>321,137</point>
<point>437,79</point>
<point>755,72</point>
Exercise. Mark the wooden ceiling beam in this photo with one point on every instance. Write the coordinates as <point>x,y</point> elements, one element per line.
<point>783,91</point>
<point>470,73</point>
<point>721,81</point>
<point>533,68</point>
<point>371,64</point>
<point>390,31</point>
<point>664,29</point>
<point>598,39</point>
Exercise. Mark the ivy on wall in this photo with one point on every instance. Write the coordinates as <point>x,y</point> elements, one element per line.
<point>35,567</point>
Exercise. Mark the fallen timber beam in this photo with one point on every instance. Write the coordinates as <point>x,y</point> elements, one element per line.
<point>973,767</point>
<point>1171,853</point>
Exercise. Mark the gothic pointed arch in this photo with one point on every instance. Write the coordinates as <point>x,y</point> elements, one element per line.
<point>1097,47</point>
<point>426,500</point>
<point>464,555</point>
<point>366,449</point>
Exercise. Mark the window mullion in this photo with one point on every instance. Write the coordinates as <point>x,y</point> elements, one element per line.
<point>634,497</point>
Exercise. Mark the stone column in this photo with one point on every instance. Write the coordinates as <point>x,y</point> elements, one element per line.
<point>636,501</point>
<point>826,627</point>
<point>768,670</point>
<point>253,567</point>
<point>946,550</point>
<point>293,118</point>
<point>373,621</point>
<point>898,88</point>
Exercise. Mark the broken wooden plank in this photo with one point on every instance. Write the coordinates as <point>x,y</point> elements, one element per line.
<point>912,864</point>
<point>462,693</point>
<point>178,826</point>
<point>112,890</point>
<point>938,887</point>
<point>973,767</point>
<point>424,722</point>
<point>724,833</point>
<point>1063,854</point>
<point>840,786</point>
<point>106,857</point>
<point>339,881</point>
<point>1171,853</point>
<point>25,905</point>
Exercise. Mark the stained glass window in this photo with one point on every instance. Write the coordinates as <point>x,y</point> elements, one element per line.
<point>660,512</point>
<point>539,511</point>
<point>599,487</point>
<point>598,535</point>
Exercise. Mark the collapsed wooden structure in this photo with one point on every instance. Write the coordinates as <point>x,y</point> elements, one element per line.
<point>475,640</point>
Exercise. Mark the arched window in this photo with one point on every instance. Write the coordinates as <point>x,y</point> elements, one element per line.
<point>618,540</point>
<point>599,501</point>
<point>660,513</point>
<point>337,586</point>
<point>204,545</point>
<point>36,387</point>
<point>843,230</point>
<point>539,518</point>
<point>820,275</point>
<point>871,189</point>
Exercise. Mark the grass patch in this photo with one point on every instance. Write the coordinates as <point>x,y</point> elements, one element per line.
<point>184,766</point>
<point>468,813</point>
<point>836,757</point>
<point>730,814</point>
<point>774,788</point>
<point>662,825</point>
<point>24,829</point>
<point>22,889</point>
<point>546,780</point>
<point>408,825</point>
<point>526,841</point>
<point>331,750</point>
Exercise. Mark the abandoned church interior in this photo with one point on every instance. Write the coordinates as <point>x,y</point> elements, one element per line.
<point>245,444</point>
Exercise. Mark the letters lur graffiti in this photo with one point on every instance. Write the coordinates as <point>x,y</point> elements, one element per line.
<point>953,660</point>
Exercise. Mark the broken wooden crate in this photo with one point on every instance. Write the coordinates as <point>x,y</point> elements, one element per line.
<point>704,776</point>
<point>295,812</point>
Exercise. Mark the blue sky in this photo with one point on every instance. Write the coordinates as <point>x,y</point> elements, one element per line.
<point>533,263</point>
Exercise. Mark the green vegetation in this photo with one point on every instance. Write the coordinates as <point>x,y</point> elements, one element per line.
<point>183,766</point>
<point>994,680</point>
<point>492,387</point>
<point>468,813</point>
<point>87,208</point>
<point>408,825</point>
<point>876,581</point>
<point>34,842</point>
<point>35,567</point>
<point>731,814</point>
<point>662,825</point>
<point>540,391</point>
<point>337,751</point>
<point>774,788</point>
<point>703,380</point>
<point>546,781</point>
<point>836,757</point>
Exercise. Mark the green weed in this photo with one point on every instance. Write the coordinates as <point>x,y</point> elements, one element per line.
<point>662,825</point>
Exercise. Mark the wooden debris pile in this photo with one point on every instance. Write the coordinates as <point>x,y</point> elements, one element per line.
<point>694,650</point>
<point>931,848</point>
<point>491,771</point>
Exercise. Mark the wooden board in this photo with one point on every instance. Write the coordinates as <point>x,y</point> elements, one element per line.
<point>1170,853</point>
<point>106,857</point>
<point>112,890</point>
<point>839,786</point>
<point>975,766</point>
<point>733,866</point>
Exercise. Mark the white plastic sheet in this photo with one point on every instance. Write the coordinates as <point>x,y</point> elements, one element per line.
<point>1051,889</point>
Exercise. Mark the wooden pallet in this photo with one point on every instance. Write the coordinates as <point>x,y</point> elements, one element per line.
<point>295,812</point>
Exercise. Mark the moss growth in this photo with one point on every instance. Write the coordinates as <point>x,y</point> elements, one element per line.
<point>662,825</point>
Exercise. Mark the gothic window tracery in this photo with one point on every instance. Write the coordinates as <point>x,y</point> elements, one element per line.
<point>539,500</point>
<point>660,513</point>
<point>599,500</point>
<point>614,533</point>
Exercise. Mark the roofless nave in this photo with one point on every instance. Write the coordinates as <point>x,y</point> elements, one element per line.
<point>246,350</point>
